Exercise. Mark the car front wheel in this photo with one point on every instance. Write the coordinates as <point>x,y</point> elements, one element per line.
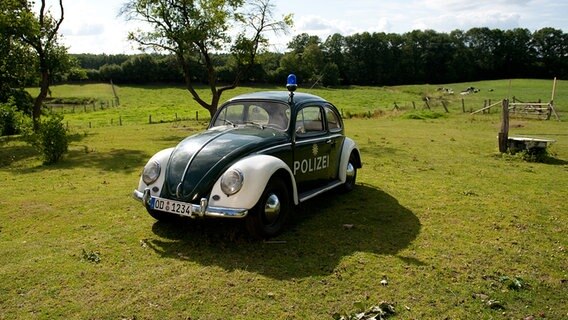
<point>268,217</point>
<point>351,174</point>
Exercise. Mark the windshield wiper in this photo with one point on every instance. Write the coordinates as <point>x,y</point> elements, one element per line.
<point>256,124</point>
<point>229,122</point>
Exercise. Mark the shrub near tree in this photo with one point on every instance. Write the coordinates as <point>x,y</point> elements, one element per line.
<point>50,138</point>
<point>9,118</point>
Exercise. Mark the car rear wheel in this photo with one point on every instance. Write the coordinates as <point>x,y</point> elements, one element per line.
<point>351,174</point>
<point>268,217</point>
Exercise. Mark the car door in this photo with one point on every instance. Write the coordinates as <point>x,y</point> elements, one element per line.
<point>311,149</point>
<point>334,126</point>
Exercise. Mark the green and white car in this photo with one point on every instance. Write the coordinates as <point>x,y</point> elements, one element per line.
<point>262,154</point>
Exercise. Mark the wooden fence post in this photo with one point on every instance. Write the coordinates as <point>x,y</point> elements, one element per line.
<point>445,107</point>
<point>504,133</point>
<point>463,105</point>
<point>150,119</point>
<point>120,120</point>
<point>196,115</point>
<point>413,105</point>
<point>427,104</point>
<point>114,93</point>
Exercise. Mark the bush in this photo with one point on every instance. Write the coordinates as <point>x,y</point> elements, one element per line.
<point>50,139</point>
<point>23,101</point>
<point>10,119</point>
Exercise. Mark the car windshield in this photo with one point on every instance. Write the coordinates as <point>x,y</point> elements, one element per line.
<point>262,113</point>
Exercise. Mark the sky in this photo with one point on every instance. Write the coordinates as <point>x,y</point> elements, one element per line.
<point>96,27</point>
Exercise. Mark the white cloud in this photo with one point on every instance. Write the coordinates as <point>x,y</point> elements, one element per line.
<point>472,6</point>
<point>466,21</point>
<point>84,30</point>
<point>317,25</point>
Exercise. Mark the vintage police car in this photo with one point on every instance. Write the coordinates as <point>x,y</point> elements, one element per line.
<point>262,153</point>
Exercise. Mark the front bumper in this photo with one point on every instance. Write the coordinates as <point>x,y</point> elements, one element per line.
<point>198,210</point>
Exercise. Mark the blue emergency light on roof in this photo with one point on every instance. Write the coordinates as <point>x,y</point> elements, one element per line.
<point>291,83</point>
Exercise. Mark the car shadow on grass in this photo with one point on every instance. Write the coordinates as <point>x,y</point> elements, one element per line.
<point>325,229</point>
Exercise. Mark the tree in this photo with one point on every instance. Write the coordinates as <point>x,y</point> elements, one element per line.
<point>334,50</point>
<point>551,51</point>
<point>40,33</point>
<point>16,61</point>
<point>313,61</point>
<point>193,30</point>
<point>300,42</point>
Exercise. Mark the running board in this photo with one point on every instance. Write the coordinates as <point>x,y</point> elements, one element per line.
<point>310,194</point>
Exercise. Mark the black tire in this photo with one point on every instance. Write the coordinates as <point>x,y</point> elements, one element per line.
<point>270,214</point>
<point>351,178</point>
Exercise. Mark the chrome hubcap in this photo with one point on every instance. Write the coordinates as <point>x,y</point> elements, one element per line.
<point>272,208</point>
<point>350,171</point>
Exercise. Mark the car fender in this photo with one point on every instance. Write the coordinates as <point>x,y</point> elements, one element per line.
<point>349,146</point>
<point>162,157</point>
<point>257,171</point>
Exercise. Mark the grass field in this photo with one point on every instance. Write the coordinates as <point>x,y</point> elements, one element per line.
<point>457,230</point>
<point>164,103</point>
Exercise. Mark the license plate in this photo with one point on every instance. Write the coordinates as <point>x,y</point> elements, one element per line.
<point>166,205</point>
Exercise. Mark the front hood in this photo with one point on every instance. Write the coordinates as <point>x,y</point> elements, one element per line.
<point>198,161</point>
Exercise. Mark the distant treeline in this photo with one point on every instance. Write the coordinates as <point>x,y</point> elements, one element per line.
<point>366,59</point>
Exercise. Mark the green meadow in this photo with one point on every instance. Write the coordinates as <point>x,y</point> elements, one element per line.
<point>455,229</point>
<point>164,103</point>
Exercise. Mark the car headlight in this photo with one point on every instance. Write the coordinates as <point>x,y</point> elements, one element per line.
<point>151,172</point>
<point>232,181</point>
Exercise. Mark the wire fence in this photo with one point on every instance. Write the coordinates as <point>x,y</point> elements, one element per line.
<point>440,105</point>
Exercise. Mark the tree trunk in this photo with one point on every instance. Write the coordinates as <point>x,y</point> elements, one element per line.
<point>38,102</point>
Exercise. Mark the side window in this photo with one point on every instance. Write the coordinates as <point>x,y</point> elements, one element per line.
<point>332,118</point>
<point>309,120</point>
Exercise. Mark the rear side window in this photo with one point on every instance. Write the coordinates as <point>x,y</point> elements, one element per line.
<point>333,122</point>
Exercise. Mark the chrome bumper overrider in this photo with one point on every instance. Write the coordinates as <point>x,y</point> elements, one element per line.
<point>197,210</point>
